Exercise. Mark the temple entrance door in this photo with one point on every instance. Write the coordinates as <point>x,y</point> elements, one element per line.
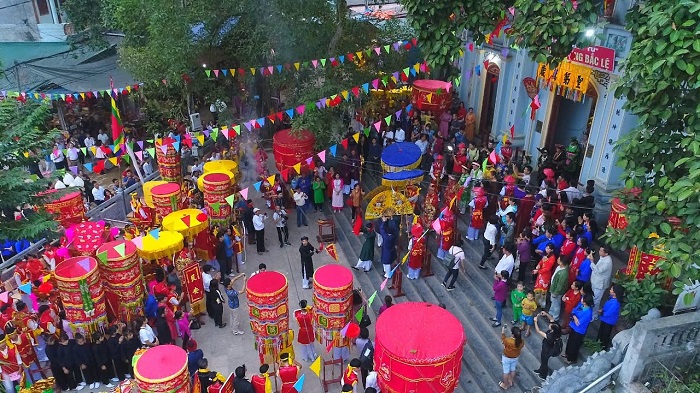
<point>571,120</point>
<point>488,104</point>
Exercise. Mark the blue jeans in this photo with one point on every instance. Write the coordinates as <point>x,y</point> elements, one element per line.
<point>499,310</point>
<point>301,216</point>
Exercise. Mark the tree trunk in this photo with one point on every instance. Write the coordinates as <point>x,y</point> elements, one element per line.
<point>341,9</point>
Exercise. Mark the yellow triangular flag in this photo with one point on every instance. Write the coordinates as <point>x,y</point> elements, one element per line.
<point>359,55</point>
<point>415,219</point>
<point>452,202</point>
<point>429,97</point>
<point>46,278</point>
<point>128,88</point>
<point>344,93</point>
<point>505,138</point>
<point>200,138</point>
<point>82,95</point>
<point>316,366</point>
<point>114,160</point>
<point>356,137</point>
<point>252,71</point>
<point>93,149</point>
<point>296,65</point>
<point>405,258</point>
<point>297,167</point>
<point>26,154</point>
<point>416,67</point>
<point>271,180</point>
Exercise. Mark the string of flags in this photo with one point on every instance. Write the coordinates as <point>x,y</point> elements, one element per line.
<point>240,71</point>
<point>312,64</point>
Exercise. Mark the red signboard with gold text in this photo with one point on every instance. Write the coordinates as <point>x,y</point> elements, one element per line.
<point>192,282</point>
<point>598,57</point>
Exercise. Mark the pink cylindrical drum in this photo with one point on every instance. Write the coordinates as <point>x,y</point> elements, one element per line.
<point>217,186</point>
<point>80,287</point>
<point>167,198</point>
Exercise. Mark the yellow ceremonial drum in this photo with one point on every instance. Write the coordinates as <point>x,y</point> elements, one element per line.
<point>221,166</point>
<point>217,186</point>
<point>80,287</point>
<point>123,280</point>
<point>168,159</point>
<point>162,369</point>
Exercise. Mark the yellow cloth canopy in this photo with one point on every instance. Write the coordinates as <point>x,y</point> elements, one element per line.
<point>167,244</point>
<point>187,222</point>
<point>147,193</point>
<point>221,166</point>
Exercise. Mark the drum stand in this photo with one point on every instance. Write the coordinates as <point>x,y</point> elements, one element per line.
<point>427,262</point>
<point>332,380</point>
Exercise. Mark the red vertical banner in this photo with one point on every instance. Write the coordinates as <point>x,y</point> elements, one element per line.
<point>196,383</point>
<point>228,385</point>
<point>192,283</point>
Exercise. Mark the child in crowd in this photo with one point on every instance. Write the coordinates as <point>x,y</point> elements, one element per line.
<point>529,307</point>
<point>516,298</point>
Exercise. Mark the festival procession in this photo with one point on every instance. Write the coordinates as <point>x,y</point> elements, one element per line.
<point>389,218</point>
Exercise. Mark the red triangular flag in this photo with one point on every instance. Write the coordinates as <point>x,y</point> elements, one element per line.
<point>512,131</point>
<point>285,174</point>
<point>186,220</point>
<point>280,116</point>
<point>329,347</point>
<point>344,143</point>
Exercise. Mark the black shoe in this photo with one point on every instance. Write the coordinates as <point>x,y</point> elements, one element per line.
<point>281,245</point>
<point>482,267</point>
<point>444,284</point>
<point>222,326</point>
<point>288,243</point>
<point>496,324</point>
<point>541,377</point>
<point>450,288</point>
<point>355,267</point>
<point>493,319</point>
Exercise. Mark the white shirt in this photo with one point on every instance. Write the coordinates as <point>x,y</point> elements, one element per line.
<point>147,168</point>
<point>572,193</point>
<point>459,256</point>
<point>206,279</point>
<point>490,233</point>
<point>258,223</point>
<point>279,220</point>
<point>388,135</point>
<point>72,154</point>
<point>423,145</point>
<point>146,334</point>
<point>506,263</point>
<point>103,138</point>
<point>57,156</point>
<point>400,135</point>
<point>89,141</point>
<point>601,272</point>
<point>98,193</point>
<point>300,198</point>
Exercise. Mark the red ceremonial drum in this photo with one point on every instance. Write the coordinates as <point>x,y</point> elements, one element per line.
<point>122,276</point>
<point>169,164</point>
<point>425,96</point>
<point>269,313</point>
<point>162,369</point>
<point>88,237</point>
<point>416,359</point>
<point>332,303</point>
<point>167,198</point>
<point>290,147</point>
<point>69,209</point>
<point>80,288</point>
<point>217,186</point>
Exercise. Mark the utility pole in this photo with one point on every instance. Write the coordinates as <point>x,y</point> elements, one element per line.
<point>19,84</point>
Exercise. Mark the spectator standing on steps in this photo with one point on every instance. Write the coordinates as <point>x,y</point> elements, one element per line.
<point>457,264</point>
<point>601,273</point>
<point>550,338</point>
<point>609,314</point>
<point>259,227</point>
<point>307,266</point>
<point>300,198</point>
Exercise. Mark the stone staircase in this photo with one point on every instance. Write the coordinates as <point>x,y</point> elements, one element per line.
<point>470,302</point>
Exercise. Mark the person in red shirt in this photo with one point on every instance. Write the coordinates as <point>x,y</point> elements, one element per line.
<point>24,345</point>
<point>261,382</point>
<point>460,162</point>
<point>11,370</point>
<point>571,299</point>
<point>569,245</point>
<point>288,373</point>
<point>350,375</point>
<point>306,332</point>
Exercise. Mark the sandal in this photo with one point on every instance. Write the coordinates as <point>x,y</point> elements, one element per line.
<point>502,385</point>
<point>527,334</point>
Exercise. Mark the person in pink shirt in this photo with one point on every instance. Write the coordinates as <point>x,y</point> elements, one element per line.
<point>183,327</point>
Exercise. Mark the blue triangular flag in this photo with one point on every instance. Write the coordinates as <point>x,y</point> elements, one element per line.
<point>290,113</point>
<point>391,274</point>
<point>257,186</point>
<point>76,95</point>
<point>409,107</point>
<point>155,233</point>
<point>261,121</point>
<point>176,146</point>
<point>477,69</point>
<point>498,147</point>
<point>279,68</point>
<point>88,166</point>
<point>365,87</point>
<point>299,384</point>
<point>225,71</point>
<point>177,138</point>
<point>413,72</point>
<point>26,288</point>
<point>333,149</point>
<point>341,59</point>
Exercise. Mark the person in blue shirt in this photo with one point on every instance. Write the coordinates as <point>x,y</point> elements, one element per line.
<point>550,236</point>
<point>584,270</point>
<point>580,320</point>
<point>609,315</point>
